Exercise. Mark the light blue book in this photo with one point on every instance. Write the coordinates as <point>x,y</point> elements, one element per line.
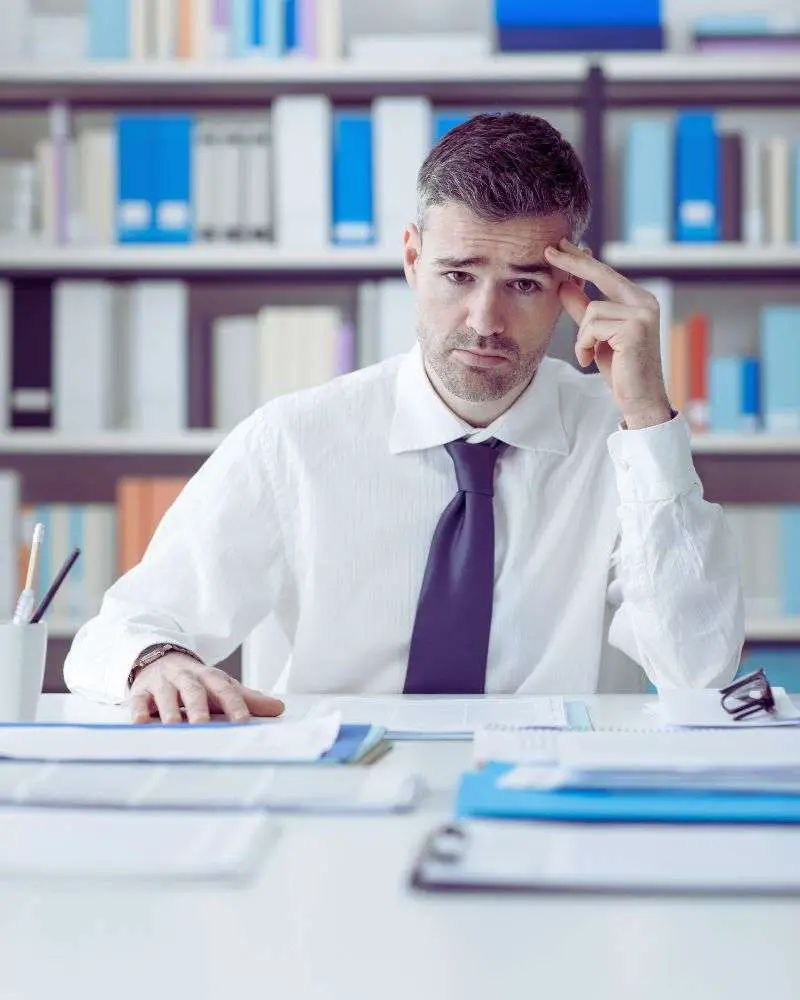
<point>108,29</point>
<point>291,32</point>
<point>731,24</point>
<point>724,394</point>
<point>135,179</point>
<point>697,178</point>
<point>173,178</point>
<point>241,28</point>
<point>273,28</point>
<point>353,211</point>
<point>647,190</point>
<point>796,187</point>
<point>444,121</point>
<point>790,559</point>
<point>779,336</point>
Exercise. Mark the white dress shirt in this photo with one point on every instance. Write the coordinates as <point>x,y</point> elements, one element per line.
<point>319,509</point>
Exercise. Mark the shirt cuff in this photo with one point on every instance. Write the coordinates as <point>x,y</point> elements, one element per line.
<point>653,463</point>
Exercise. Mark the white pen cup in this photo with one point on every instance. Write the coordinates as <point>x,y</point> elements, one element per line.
<point>23,652</point>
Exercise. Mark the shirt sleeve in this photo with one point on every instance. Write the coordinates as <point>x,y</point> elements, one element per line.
<point>675,582</point>
<point>213,570</point>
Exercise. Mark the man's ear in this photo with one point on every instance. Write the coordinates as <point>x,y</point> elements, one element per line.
<point>412,248</point>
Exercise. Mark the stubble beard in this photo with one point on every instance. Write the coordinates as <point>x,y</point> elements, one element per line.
<point>478,385</point>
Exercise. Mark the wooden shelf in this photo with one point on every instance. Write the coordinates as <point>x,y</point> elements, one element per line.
<point>704,259</point>
<point>198,258</point>
<point>746,444</point>
<point>200,442</point>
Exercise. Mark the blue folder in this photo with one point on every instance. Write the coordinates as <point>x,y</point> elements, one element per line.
<point>479,797</point>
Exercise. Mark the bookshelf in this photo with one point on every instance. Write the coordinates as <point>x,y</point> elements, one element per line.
<point>593,87</point>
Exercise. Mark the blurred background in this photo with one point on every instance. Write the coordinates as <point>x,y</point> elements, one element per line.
<point>201,207</point>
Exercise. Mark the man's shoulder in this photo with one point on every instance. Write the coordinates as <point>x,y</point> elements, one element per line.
<point>366,392</point>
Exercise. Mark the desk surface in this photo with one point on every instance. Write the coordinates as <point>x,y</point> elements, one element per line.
<point>329,916</point>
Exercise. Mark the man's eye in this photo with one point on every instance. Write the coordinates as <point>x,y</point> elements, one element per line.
<point>457,277</point>
<point>527,286</point>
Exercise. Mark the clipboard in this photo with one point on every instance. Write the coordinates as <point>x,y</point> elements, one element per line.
<point>517,857</point>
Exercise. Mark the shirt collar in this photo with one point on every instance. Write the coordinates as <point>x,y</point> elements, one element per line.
<point>422,419</point>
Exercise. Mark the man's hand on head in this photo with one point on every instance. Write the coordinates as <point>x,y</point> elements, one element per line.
<point>178,681</point>
<point>620,334</point>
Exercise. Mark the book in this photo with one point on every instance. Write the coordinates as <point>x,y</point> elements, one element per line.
<point>31,353</point>
<point>15,36</point>
<point>235,384</point>
<point>171,178</point>
<point>10,495</point>
<point>136,138</point>
<point>83,345</point>
<point>754,190</point>
<point>780,362</point>
<point>302,158</point>
<point>158,356</point>
<point>733,394</point>
<point>647,183</point>
<point>697,178</point>
<point>353,214</point>
<point>576,13</point>
<point>581,38</point>
<point>402,129</point>
<point>6,346</point>
<point>777,188</point>
<point>697,403</point>
<point>730,186</point>
<point>789,565</point>
<point>678,384</point>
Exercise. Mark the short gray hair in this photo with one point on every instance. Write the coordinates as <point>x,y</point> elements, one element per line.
<point>504,166</point>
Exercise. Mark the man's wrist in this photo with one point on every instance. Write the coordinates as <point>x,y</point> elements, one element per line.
<point>651,416</point>
<point>151,654</point>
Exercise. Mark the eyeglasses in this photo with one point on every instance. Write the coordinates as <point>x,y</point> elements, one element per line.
<point>747,696</point>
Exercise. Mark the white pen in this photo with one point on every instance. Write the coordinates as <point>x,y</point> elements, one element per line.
<point>24,608</point>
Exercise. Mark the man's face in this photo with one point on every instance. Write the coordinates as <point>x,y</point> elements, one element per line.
<point>486,299</point>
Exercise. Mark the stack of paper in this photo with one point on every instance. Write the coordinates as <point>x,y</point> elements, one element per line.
<point>228,787</point>
<point>321,738</point>
<point>448,718</point>
<point>113,844</point>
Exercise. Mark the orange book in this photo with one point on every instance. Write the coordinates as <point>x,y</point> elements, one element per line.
<point>679,366</point>
<point>133,520</point>
<point>185,38</point>
<point>697,404</point>
<point>163,493</point>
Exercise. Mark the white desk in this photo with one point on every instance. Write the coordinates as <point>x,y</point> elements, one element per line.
<point>330,918</point>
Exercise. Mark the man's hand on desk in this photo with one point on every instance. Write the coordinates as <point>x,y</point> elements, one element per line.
<point>177,680</point>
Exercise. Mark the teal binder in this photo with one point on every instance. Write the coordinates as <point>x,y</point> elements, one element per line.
<point>479,797</point>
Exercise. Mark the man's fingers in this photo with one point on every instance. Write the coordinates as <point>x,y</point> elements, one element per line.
<point>194,697</point>
<point>262,704</point>
<point>591,334</point>
<point>574,300</point>
<point>609,281</point>
<point>229,698</point>
<point>166,698</point>
<point>140,707</point>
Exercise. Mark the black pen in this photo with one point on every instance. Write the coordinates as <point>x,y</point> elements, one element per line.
<point>54,586</point>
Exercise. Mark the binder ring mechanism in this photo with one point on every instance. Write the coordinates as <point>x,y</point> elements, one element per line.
<point>446,844</point>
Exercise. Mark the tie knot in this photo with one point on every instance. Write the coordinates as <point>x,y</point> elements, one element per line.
<point>475,465</point>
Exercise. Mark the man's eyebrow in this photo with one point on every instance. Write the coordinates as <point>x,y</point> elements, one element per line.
<point>459,263</point>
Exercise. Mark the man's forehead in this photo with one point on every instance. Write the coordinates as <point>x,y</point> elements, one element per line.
<point>454,229</point>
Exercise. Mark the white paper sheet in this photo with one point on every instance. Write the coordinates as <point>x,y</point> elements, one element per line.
<point>208,786</point>
<point>699,709</point>
<point>514,745</point>
<point>254,742</point>
<point>763,760</point>
<point>120,844</point>
<point>411,716</point>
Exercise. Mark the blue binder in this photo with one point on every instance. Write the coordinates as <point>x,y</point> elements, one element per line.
<point>697,178</point>
<point>479,797</point>
<point>576,12</point>
<point>444,121</point>
<point>353,214</point>
<point>581,38</point>
<point>135,152</point>
<point>172,179</point>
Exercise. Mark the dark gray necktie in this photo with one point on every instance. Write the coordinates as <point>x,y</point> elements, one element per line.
<point>450,640</point>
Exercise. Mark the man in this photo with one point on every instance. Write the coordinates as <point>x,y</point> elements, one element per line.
<point>473,516</point>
